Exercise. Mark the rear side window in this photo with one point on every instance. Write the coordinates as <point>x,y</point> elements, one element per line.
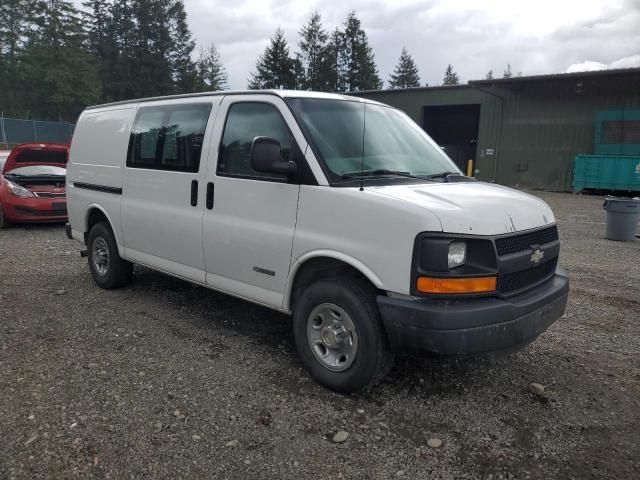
<point>168,137</point>
<point>245,121</point>
<point>42,156</point>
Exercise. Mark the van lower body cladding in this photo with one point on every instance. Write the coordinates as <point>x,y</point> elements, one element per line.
<point>474,325</point>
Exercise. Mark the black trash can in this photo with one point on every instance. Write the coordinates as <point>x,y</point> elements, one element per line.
<point>623,215</point>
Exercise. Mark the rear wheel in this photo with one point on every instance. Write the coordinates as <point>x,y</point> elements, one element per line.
<point>339,334</point>
<point>108,269</point>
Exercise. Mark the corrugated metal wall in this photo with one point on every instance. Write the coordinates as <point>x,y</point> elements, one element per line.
<point>546,123</point>
<point>540,127</point>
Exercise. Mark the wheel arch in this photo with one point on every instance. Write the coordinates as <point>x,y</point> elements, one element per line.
<point>321,264</point>
<point>96,213</point>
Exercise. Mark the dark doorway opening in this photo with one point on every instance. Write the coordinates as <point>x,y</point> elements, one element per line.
<point>455,128</point>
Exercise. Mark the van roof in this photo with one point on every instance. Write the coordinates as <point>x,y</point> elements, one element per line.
<point>279,93</point>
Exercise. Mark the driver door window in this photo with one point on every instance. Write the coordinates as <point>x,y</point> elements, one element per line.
<point>245,121</point>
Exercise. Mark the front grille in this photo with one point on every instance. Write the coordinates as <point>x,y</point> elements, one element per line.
<point>512,282</point>
<point>42,213</point>
<point>49,194</point>
<point>518,243</point>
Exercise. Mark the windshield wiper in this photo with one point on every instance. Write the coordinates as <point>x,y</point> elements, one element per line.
<point>449,176</point>
<point>378,172</point>
<point>443,174</point>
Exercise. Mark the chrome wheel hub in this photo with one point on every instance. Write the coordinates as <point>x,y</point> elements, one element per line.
<point>332,337</point>
<point>100,256</point>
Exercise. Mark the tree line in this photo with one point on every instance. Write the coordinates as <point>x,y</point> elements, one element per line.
<point>56,59</point>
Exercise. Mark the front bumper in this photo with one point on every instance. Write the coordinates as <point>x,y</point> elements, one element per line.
<point>32,210</point>
<point>474,325</point>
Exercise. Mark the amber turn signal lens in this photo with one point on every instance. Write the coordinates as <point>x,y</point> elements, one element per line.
<point>456,285</point>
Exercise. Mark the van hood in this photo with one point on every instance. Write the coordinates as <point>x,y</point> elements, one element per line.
<point>474,208</point>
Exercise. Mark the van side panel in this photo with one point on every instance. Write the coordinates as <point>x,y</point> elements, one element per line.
<point>361,228</point>
<point>164,196</point>
<point>94,173</point>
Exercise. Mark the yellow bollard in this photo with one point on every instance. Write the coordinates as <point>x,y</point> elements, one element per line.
<point>469,168</point>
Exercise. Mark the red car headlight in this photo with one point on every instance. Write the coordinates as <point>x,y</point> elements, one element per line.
<point>19,191</point>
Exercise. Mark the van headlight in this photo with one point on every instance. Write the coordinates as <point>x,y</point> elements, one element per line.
<point>19,191</point>
<point>457,254</point>
<point>450,264</point>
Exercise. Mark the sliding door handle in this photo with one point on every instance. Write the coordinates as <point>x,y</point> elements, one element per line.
<point>194,193</point>
<point>210,195</point>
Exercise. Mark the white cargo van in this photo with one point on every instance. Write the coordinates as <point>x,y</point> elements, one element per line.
<point>338,210</point>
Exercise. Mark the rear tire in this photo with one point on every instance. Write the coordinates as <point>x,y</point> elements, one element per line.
<point>339,334</point>
<point>108,269</point>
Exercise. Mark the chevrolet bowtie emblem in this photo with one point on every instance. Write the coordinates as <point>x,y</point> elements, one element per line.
<point>537,255</point>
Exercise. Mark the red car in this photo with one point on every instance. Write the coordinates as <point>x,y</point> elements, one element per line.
<point>32,184</point>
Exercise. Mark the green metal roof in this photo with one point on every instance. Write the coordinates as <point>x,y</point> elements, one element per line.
<point>559,76</point>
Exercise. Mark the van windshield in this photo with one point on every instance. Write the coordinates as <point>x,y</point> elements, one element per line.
<point>355,138</point>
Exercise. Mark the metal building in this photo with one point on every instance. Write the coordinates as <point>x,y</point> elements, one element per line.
<point>521,131</point>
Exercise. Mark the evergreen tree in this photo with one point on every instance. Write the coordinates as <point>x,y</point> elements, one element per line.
<point>357,56</point>
<point>315,55</point>
<point>98,22</point>
<point>118,73</point>
<point>274,68</point>
<point>450,77</point>
<point>507,72</point>
<point>405,75</point>
<point>16,16</point>
<point>60,76</point>
<point>211,72</point>
<point>299,73</point>
<point>16,20</point>
<point>335,69</point>
<point>184,70</point>
<point>153,49</point>
<point>489,75</point>
<point>143,47</point>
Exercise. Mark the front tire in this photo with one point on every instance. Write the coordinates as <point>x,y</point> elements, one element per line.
<point>339,335</point>
<point>108,269</point>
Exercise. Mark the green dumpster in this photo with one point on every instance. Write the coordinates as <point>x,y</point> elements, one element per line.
<point>615,162</point>
<point>606,172</point>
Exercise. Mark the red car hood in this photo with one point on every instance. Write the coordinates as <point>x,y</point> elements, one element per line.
<point>30,154</point>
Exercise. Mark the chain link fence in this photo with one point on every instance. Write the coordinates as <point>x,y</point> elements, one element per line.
<point>14,131</point>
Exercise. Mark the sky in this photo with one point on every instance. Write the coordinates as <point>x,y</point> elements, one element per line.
<point>475,36</point>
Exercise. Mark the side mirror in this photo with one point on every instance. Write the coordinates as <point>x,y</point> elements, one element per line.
<point>265,157</point>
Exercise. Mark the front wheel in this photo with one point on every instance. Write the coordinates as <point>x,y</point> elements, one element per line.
<point>108,269</point>
<point>339,335</point>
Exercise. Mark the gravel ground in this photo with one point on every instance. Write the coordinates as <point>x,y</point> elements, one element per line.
<point>166,380</point>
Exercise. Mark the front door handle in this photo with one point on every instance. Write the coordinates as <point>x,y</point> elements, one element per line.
<point>194,193</point>
<point>210,195</point>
